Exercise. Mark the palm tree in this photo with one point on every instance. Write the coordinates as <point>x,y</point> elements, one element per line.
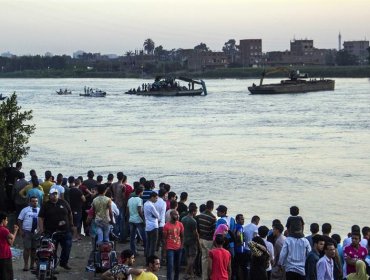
<point>149,46</point>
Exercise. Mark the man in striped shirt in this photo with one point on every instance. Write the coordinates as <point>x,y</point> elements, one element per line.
<point>293,256</point>
<point>206,228</point>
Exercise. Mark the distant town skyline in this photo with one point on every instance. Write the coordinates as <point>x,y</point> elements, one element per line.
<point>117,26</point>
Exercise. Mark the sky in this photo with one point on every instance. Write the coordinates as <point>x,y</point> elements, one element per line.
<point>118,26</point>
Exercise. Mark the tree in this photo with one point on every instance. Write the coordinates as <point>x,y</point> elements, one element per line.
<point>149,46</point>
<point>15,132</point>
<point>202,47</point>
<point>230,49</point>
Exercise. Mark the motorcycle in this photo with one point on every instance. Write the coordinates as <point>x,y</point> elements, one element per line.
<point>46,257</point>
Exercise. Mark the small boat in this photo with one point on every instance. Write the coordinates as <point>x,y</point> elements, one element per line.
<point>89,92</point>
<point>297,83</point>
<point>170,87</point>
<point>2,97</point>
<point>63,92</point>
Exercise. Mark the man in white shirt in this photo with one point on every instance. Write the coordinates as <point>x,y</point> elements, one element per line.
<point>262,232</point>
<point>160,205</point>
<point>325,266</point>
<point>27,222</point>
<point>151,224</point>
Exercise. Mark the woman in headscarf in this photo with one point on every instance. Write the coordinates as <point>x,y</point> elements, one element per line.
<point>222,229</point>
<point>259,259</point>
<point>360,273</point>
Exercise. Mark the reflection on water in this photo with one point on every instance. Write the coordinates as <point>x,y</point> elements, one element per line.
<point>255,154</point>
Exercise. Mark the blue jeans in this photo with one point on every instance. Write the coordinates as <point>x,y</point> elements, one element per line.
<point>65,241</point>
<point>133,227</point>
<point>102,232</point>
<point>173,263</point>
<point>151,242</point>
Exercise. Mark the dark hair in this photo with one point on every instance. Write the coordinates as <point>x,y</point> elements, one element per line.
<point>151,259</point>
<point>365,230</point>
<point>263,231</point>
<point>238,216</point>
<point>192,208</point>
<point>357,233</point>
<point>124,178</point>
<point>167,187</point>
<point>173,204</point>
<point>120,176</point>
<point>210,204</point>
<point>314,228</point>
<point>35,181</point>
<point>18,164</point>
<point>142,180</point>
<point>153,194</point>
<point>139,190</point>
<point>152,184</point>
<point>32,172</point>
<point>219,240</point>
<point>33,197</point>
<point>99,178</point>
<point>147,185</point>
<point>336,238</point>
<point>125,254</point>
<point>202,208</point>
<point>255,219</point>
<point>81,178</point>
<point>327,244</point>
<point>317,238</point>
<point>71,179</point>
<point>2,216</point>
<point>90,174</point>
<point>136,185</point>
<point>21,175</point>
<point>101,189</point>
<point>355,228</point>
<point>161,185</point>
<point>183,195</point>
<point>326,228</point>
<point>294,211</point>
<point>110,177</point>
<point>161,192</point>
<point>276,222</point>
<point>279,227</point>
<point>171,195</point>
<point>47,174</point>
<point>60,177</point>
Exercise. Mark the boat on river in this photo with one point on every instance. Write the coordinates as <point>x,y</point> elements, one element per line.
<point>2,97</point>
<point>297,83</point>
<point>63,91</point>
<point>89,92</point>
<point>167,86</point>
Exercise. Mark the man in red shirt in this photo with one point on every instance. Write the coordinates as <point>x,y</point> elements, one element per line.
<point>219,261</point>
<point>173,236</point>
<point>6,240</point>
<point>354,252</point>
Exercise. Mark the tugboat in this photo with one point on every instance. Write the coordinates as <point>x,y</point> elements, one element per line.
<point>297,83</point>
<point>170,87</point>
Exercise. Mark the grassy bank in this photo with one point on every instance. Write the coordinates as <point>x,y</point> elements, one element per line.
<point>312,71</point>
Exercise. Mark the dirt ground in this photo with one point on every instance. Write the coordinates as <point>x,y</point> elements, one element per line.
<point>78,260</point>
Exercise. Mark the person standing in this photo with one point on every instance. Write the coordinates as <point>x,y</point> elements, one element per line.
<point>325,266</point>
<point>173,237</point>
<point>76,199</point>
<point>56,215</point>
<point>20,201</point>
<point>6,240</point>
<point>219,261</point>
<point>354,252</point>
<point>313,257</point>
<point>160,205</point>
<point>151,224</point>
<point>277,272</point>
<point>27,222</point>
<point>293,256</point>
<point>118,194</point>
<point>240,265</point>
<point>206,228</point>
<point>102,206</point>
<point>136,218</point>
<point>35,191</point>
<point>191,239</point>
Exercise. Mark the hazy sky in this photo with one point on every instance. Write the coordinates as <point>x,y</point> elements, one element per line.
<point>118,26</point>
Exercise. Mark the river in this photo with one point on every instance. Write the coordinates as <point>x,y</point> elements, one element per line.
<point>258,155</point>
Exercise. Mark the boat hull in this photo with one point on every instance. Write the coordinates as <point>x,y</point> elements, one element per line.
<point>300,86</point>
<point>162,93</point>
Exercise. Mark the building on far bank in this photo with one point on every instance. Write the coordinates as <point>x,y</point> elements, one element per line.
<point>302,52</point>
<point>251,52</point>
<point>358,49</point>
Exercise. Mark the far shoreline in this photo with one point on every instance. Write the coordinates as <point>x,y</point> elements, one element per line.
<point>219,73</point>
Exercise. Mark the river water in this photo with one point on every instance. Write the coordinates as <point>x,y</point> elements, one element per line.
<point>258,155</point>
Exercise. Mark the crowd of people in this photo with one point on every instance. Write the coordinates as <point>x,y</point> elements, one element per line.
<point>204,242</point>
